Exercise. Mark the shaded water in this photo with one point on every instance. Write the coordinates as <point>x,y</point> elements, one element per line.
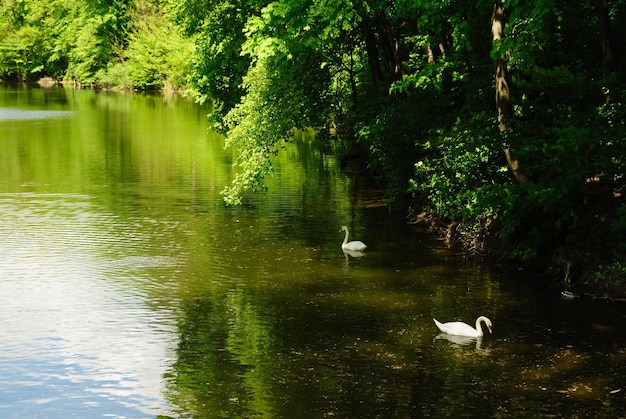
<point>128,290</point>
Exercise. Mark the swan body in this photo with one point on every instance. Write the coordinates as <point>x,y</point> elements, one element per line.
<point>464,329</point>
<point>355,246</point>
<point>568,295</point>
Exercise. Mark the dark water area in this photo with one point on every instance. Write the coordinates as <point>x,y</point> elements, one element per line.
<point>129,290</point>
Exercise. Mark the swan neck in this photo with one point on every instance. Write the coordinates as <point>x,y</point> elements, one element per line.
<point>345,239</point>
<point>478,321</point>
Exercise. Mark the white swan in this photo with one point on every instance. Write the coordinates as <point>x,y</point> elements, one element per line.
<point>355,245</point>
<point>464,329</point>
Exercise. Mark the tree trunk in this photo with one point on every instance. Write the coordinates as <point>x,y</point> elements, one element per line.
<point>389,46</point>
<point>608,61</point>
<point>503,95</point>
<point>371,49</point>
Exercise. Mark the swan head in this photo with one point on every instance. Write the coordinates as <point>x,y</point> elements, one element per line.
<point>343,228</point>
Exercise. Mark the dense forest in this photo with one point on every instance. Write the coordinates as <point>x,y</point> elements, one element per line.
<point>504,120</point>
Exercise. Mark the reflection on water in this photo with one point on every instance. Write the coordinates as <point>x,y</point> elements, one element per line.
<point>461,340</point>
<point>127,289</point>
<point>7,114</point>
<point>76,322</point>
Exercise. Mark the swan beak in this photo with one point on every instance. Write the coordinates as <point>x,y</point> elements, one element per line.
<point>490,332</point>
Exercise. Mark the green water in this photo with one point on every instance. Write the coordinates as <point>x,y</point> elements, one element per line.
<point>128,290</point>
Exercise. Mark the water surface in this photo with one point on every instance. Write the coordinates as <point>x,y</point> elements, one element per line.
<point>128,290</point>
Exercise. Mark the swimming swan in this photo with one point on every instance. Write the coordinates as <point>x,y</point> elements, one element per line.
<point>464,329</point>
<point>353,245</point>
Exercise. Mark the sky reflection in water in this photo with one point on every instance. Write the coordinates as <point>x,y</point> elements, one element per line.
<point>8,114</point>
<point>73,335</point>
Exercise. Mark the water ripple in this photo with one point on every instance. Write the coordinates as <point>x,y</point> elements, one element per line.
<point>75,302</point>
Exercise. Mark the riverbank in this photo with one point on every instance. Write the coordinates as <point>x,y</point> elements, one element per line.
<point>576,271</point>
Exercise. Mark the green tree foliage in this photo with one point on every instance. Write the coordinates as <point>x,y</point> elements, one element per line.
<point>107,43</point>
<point>97,30</point>
<point>25,38</point>
<point>157,53</point>
<point>218,65</point>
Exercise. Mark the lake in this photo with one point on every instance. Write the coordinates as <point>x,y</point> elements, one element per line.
<point>129,290</point>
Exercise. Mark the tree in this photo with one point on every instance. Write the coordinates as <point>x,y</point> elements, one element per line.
<point>25,38</point>
<point>90,41</point>
<point>218,65</point>
<point>156,56</point>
